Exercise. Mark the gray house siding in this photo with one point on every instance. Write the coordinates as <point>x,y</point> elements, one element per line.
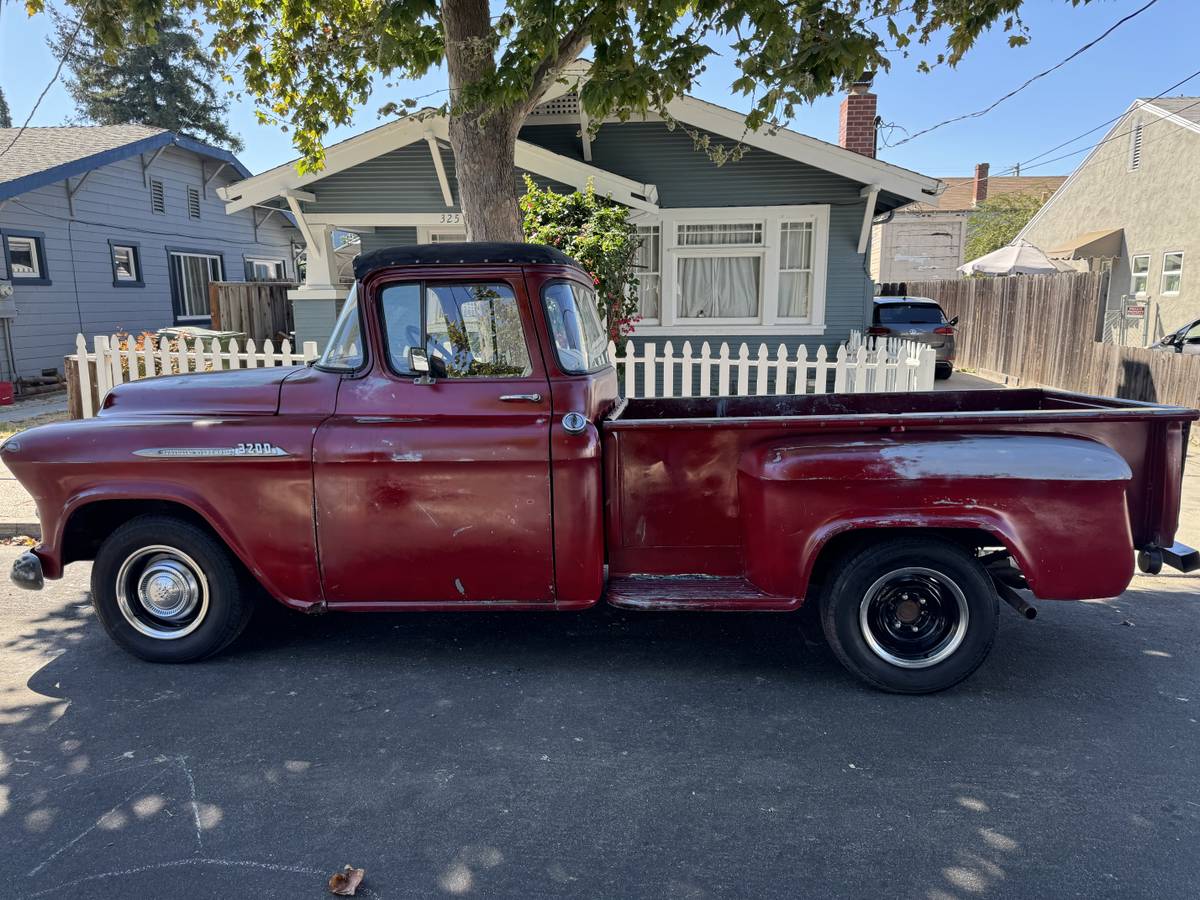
<point>114,205</point>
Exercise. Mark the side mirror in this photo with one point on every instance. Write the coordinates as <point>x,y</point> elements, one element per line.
<point>953,322</point>
<point>418,362</point>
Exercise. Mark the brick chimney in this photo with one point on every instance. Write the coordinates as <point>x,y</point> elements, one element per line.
<point>981,180</point>
<point>857,119</point>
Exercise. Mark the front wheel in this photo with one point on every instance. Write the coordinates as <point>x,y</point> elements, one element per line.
<point>166,590</point>
<point>911,615</point>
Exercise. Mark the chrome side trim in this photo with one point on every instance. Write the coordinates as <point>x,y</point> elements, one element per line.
<point>240,451</point>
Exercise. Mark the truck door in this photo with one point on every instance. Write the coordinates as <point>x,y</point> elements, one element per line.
<point>435,489</point>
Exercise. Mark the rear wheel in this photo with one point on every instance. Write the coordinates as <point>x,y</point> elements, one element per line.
<point>166,590</point>
<point>943,371</point>
<point>910,615</point>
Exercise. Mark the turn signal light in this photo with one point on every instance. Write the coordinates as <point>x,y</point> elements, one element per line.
<point>945,329</point>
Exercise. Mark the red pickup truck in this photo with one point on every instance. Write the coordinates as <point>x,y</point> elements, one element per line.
<point>462,444</point>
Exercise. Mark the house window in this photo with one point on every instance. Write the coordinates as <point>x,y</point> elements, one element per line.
<point>191,274</point>
<point>158,196</point>
<point>1139,274</point>
<point>719,274</point>
<point>446,237</point>
<point>648,271</point>
<point>1135,147</point>
<point>193,202</point>
<point>761,269</point>
<point>259,269</point>
<point>26,257</point>
<point>795,270</point>
<point>126,265</point>
<point>1172,273</point>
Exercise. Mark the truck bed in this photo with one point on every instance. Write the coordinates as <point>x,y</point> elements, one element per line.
<point>674,505</point>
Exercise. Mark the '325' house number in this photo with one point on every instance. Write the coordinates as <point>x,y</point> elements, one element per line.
<point>452,219</point>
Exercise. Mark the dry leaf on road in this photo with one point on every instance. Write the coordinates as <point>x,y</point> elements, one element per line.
<point>346,882</point>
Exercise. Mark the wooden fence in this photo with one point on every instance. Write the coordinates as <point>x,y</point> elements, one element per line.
<point>260,310</point>
<point>116,359</point>
<point>861,366</point>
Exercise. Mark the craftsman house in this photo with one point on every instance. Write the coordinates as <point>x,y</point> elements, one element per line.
<point>118,227</point>
<point>769,248</point>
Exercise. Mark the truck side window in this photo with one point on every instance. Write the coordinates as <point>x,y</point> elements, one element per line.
<point>401,304</point>
<point>579,336</point>
<point>474,331</point>
<point>344,352</point>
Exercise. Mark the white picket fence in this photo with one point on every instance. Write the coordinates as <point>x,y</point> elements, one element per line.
<point>171,356</point>
<point>861,365</point>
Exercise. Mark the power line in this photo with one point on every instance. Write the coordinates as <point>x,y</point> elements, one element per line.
<point>53,80</point>
<point>987,109</point>
<point>1090,131</point>
<point>1144,126</point>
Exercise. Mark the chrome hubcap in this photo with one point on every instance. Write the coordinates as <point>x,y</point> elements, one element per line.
<point>162,592</point>
<point>913,617</point>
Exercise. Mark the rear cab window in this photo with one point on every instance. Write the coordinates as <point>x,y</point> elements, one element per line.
<point>909,313</point>
<point>580,341</point>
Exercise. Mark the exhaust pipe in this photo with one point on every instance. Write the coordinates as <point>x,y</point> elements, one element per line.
<point>1016,601</point>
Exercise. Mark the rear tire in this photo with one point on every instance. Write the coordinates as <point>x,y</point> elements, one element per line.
<point>910,615</point>
<point>167,591</point>
<point>942,372</point>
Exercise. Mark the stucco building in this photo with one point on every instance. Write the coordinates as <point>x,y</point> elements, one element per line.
<point>1133,207</point>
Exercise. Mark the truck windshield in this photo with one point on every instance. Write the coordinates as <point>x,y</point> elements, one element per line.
<point>579,338</point>
<point>344,352</point>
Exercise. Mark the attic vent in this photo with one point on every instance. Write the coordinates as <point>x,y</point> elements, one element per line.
<point>1135,147</point>
<point>566,105</point>
<point>158,198</point>
<point>193,203</point>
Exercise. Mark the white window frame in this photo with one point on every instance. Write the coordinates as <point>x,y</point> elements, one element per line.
<point>34,255</point>
<point>768,320</point>
<point>429,234</point>
<point>135,265</point>
<point>1134,274</point>
<point>1163,277</point>
<point>646,227</point>
<point>209,259</point>
<point>269,261</point>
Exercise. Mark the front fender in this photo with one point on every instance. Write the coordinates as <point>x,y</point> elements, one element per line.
<point>1057,503</point>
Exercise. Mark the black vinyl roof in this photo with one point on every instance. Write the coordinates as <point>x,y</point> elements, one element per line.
<point>448,254</point>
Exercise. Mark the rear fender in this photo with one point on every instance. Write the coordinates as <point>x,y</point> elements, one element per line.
<point>1056,503</point>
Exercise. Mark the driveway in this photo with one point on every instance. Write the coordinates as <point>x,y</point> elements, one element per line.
<point>964,381</point>
<point>602,754</point>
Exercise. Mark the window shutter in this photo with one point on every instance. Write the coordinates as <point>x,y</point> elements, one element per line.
<point>158,199</point>
<point>193,197</point>
<point>1135,147</point>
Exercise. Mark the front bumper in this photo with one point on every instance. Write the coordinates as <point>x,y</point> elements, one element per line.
<point>27,572</point>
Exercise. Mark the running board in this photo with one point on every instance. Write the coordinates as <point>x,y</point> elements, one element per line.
<point>683,592</point>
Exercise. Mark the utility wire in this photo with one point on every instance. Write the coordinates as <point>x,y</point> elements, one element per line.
<point>1117,118</point>
<point>53,80</point>
<point>1028,82</point>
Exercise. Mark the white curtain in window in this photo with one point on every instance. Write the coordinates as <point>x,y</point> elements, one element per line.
<point>795,294</point>
<point>718,287</point>
<point>646,271</point>
<point>703,235</point>
<point>795,269</point>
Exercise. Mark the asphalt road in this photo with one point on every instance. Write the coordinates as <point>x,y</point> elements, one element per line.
<point>603,754</point>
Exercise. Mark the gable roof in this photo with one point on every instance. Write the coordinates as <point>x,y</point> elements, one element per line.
<point>1182,111</point>
<point>44,155</point>
<point>428,125</point>
<point>959,195</point>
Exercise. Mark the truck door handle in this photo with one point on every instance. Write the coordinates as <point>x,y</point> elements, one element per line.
<point>521,398</point>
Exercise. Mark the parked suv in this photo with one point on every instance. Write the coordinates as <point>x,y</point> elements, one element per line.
<point>917,319</point>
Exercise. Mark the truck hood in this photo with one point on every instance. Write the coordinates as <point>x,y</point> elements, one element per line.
<point>238,392</point>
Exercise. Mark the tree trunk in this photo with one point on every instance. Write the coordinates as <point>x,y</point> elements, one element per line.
<point>483,141</point>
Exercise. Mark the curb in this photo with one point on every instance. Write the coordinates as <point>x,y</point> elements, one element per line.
<point>12,529</point>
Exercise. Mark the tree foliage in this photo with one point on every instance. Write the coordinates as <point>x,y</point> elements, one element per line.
<point>167,82</point>
<point>598,234</point>
<point>5,115</point>
<point>996,222</point>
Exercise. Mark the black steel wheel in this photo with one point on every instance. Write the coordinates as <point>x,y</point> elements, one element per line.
<point>911,614</point>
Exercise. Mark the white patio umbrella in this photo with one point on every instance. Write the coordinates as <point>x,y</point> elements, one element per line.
<point>1021,258</point>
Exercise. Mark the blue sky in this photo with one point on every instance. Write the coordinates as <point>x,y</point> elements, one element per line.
<point>1141,58</point>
